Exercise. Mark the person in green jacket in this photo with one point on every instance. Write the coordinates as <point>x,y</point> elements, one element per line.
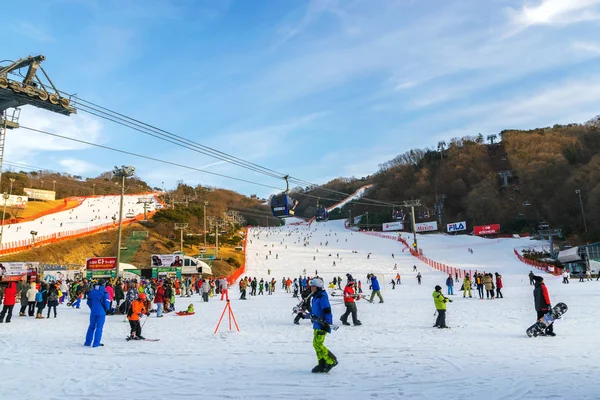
<point>440,305</point>
<point>467,286</point>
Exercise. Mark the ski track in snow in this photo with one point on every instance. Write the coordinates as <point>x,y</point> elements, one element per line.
<point>395,354</point>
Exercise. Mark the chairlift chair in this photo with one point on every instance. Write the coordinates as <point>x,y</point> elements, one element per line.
<point>282,205</point>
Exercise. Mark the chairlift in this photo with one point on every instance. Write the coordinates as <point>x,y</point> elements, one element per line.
<point>321,214</point>
<point>397,215</point>
<point>526,203</point>
<point>130,215</point>
<point>282,205</point>
<point>543,225</point>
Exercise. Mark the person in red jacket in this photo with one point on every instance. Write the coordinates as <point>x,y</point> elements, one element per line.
<point>349,297</point>
<point>499,286</point>
<point>10,296</point>
<point>159,298</point>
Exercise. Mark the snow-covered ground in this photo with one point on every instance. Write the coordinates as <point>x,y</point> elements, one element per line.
<point>92,212</point>
<point>354,196</point>
<point>395,353</point>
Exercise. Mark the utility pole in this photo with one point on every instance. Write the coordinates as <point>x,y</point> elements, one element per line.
<point>367,220</point>
<point>93,189</point>
<point>578,191</point>
<point>412,204</point>
<point>550,234</point>
<point>145,201</point>
<point>123,172</point>
<point>54,186</point>
<point>181,227</point>
<point>6,197</point>
<point>33,235</point>
<point>439,203</point>
<point>205,204</point>
<point>216,239</point>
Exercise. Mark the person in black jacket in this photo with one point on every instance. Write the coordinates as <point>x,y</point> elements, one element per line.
<point>542,302</point>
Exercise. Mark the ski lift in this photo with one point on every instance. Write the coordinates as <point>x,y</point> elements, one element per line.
<point>130,215</point>
<point>397,215</point>
<point>543,225</point>
<point>321,214</point>
<point>526,203</point>
<point>282,205</point>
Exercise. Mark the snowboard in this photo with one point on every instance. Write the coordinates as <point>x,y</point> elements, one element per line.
<point>326,325</point>
<point>543,323</point>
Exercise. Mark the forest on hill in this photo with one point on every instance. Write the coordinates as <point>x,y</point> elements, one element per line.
<point>521,179</point>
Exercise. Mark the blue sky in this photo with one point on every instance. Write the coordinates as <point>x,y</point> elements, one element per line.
<point>314,88</point>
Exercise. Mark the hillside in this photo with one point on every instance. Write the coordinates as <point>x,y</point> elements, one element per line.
<point>545,168</point>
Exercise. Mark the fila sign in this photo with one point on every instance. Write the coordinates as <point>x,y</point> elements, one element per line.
<point>456,226</point>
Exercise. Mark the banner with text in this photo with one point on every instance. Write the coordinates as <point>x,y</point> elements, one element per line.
<point>456,226</point>
<point>13,268</point>
<point>39,194</point>
<point>101,263</point>
<point>16,201</point>
<point>486,229</point>
<point>392,226</point>
<point>427,226</point>
<point>167,260</point>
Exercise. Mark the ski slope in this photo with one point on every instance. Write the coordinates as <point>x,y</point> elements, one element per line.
<point>395,354</point>
<point>92,212</point>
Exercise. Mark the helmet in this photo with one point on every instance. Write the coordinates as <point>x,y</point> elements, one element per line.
<point>438,287</point>
<point>317,282</point>
<point>142,296</point>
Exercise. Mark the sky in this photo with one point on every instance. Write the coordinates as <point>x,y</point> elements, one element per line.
<point>317,89</point>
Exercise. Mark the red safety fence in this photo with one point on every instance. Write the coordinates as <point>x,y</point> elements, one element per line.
<point>549,268</point>
<point>419,254</point>
<point>238,272</point>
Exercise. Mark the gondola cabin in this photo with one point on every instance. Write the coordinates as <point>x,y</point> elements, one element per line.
<point>321,214</point>
<point>282,205</point>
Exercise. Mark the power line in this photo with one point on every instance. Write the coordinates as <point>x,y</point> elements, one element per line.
<point>105,113</point>
<point>146,157</point>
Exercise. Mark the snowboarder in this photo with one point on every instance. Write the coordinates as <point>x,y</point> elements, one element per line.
<point>419,278</point>
<point>393,283</point>
<point>414,268</point>
<point>542,303</point>
<point>349,302</point>
<point>322,317</point>
<point>440,305</point>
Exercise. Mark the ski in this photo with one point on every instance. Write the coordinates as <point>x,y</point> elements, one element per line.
<point>128,338</point>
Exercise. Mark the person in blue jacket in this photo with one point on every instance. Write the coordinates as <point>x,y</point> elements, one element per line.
<point>375,289</point>
<point>97,301</point>
<point>322,320</point>
<point>450,285</point>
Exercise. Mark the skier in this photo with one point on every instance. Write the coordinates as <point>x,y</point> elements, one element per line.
<point>419,278</point>
<point>414,268</point>
<point>542,302</point>
<point>349,302</point>
<point>467,286</point>
<point>565,276</point>
<point>531,280</point>
<point>375,289</point>
<point>499,286</point>
<point>393,283</point>
<point>135,312</point>
<point>322,317</point>
<point>98,303</point>
<point>450,285</point>
<point>440,305</point>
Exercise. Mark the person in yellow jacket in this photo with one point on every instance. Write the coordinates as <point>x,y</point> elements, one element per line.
<point>467,286</point>
<point>440,305</point>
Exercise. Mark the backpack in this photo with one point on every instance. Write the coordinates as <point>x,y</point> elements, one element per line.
<point>39,296</point>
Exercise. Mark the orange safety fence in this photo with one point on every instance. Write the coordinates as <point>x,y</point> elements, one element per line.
<point>549,268</point>
<point>238,272</point>
<point>23,245</point>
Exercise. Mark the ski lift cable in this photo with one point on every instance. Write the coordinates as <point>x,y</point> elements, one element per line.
<point>105,113</point>
<point>178,142</point>
<point>147,157</point>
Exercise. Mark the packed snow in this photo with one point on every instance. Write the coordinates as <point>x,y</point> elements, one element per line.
<point>394,354</point>
<point>91,213</point>
<point>354,196</point>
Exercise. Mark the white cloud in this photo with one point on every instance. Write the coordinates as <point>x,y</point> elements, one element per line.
<point>593,48</point>
<point>549,12</point>
<point>78,167</point>
<point>32,31</point>
<point>24,144</point>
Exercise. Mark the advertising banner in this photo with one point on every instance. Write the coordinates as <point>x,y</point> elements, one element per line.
<point>392,226</point>
<point>39,194</point>
<point>97,274</point>
<point>166,260</point>
<point>164,272</point>
<point>101,263</point>
<point>456,226</point>
<point>16,201</point>
<point>13,269</point>
<point>426,226</point>
<point>486,229</point>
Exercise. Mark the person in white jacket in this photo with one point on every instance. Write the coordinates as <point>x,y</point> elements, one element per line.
<point>224,288</point>
<point>565,276</point>
<point>31,292</point>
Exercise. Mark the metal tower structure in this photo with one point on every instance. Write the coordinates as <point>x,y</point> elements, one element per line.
<point>412,204</point>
